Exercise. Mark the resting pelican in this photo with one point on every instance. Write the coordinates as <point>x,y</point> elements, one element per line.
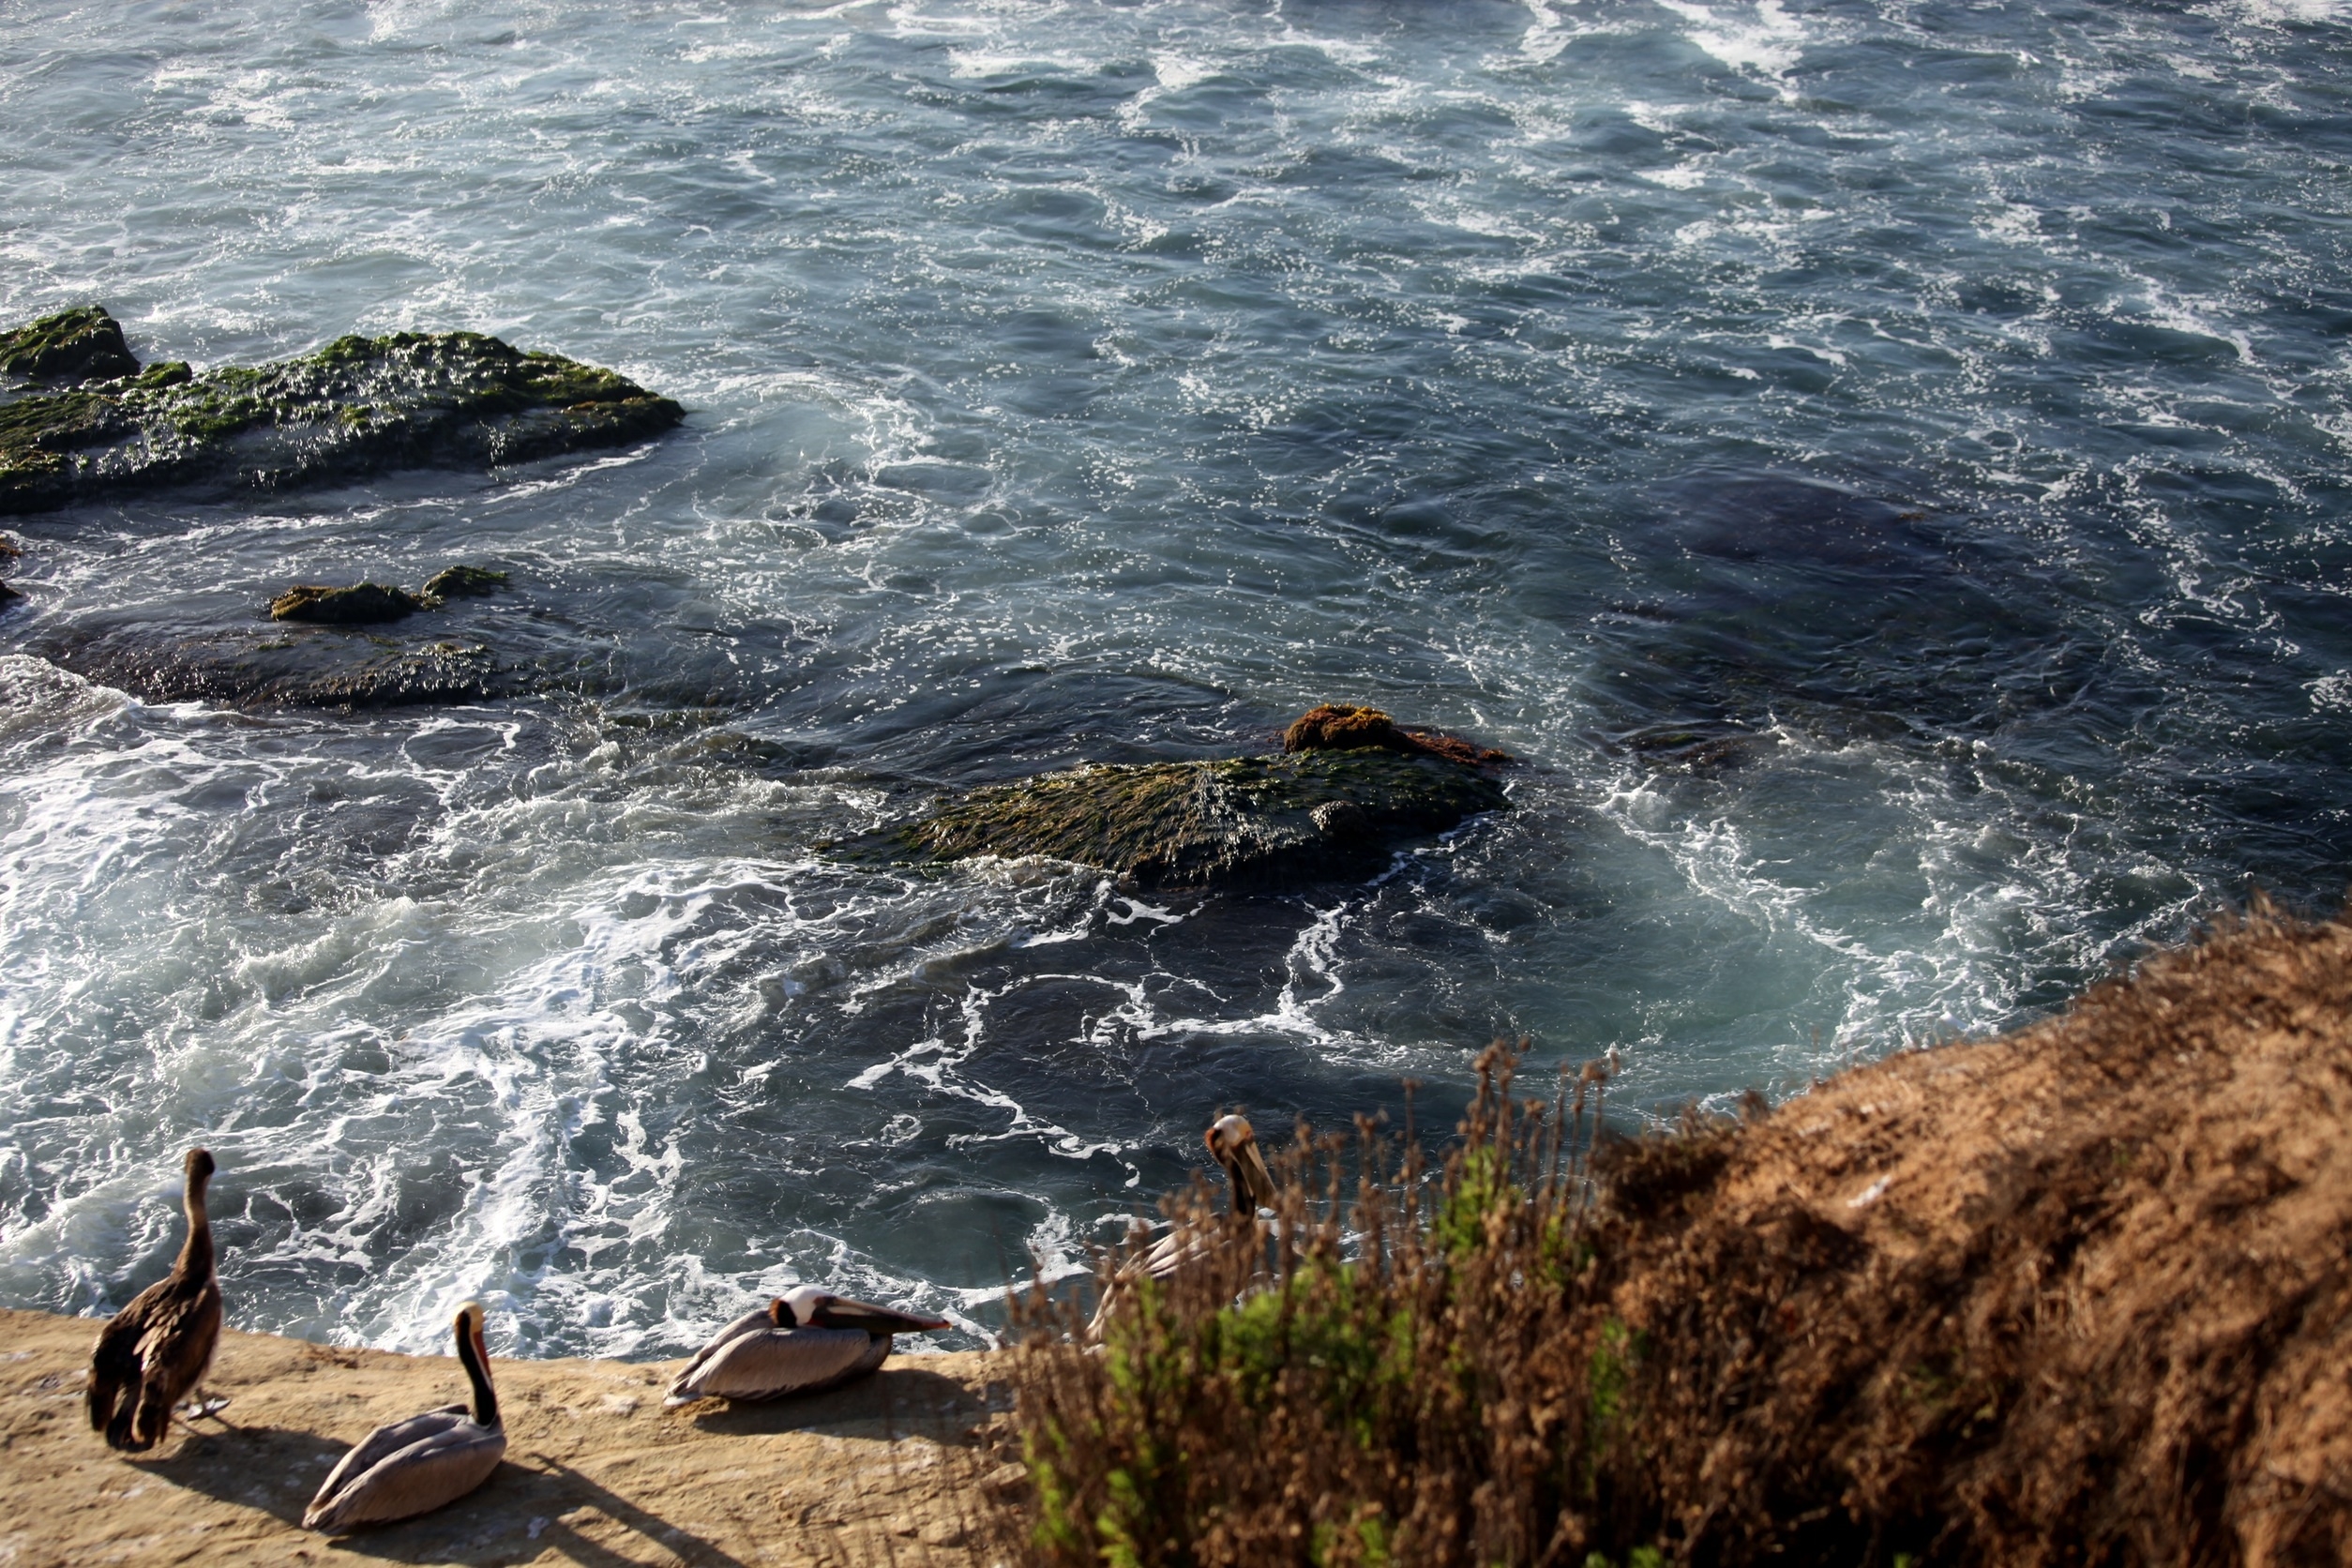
<point>808,1339</point>
<point>1250,1187</point>
<point>153,1351</point>
<point>413,1467</point>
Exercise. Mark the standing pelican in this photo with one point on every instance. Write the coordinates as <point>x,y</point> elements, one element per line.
<point>808,1339</point>
<point>1250,1186</point>
<point>156,1349</point>
<point>415,1466</point>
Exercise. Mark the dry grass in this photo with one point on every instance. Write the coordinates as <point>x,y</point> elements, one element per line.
<point>2080,1294</point>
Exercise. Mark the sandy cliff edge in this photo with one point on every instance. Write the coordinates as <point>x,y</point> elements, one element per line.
<point>890,1469</point>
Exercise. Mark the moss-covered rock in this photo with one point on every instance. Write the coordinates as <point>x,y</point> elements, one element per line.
<point>359,405</point>
<point>69,347</point>
<point>361,604</point>
<point>1248,820</point>
<point>463,582</point>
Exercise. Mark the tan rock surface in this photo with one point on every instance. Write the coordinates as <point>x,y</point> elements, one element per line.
<point>890,1469</point>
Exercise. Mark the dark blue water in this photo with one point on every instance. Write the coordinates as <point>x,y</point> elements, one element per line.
<point>1881,464</point>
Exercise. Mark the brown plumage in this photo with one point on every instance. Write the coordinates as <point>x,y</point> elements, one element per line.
<point>152,1353</point>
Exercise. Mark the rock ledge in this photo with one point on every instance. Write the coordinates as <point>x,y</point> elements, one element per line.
<point>357,406</point>
<point>1238,822</point>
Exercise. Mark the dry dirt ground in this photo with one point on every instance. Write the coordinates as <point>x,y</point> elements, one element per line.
<point>907,1467</point>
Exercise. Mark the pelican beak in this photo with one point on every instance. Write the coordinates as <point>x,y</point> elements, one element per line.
<point>836,1312</point>
<point>1255,1178</point>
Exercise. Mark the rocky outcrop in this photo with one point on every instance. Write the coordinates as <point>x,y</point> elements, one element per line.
<point>1345,726</point>
<point>358,406</point>
<point>463,582</point>
<point>65,349</point>
<point>1324,811</point>
<point>361,604</point>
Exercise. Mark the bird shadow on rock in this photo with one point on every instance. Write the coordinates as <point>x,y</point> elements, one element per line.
<point>526,1509</point>
<point>235,1464</point>
<point>896,1401</point>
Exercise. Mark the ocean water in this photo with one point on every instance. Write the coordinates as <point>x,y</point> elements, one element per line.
<point>1880,464</point>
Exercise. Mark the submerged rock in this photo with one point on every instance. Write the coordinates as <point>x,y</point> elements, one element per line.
<point>288,666</point>
<point>1319,812</point>
<point>358,406</point>
<point>69,347</point>
<point>463,582</point>
<point>361,604</point>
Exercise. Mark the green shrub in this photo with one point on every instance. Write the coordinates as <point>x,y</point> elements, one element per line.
<point>1380,1374</point>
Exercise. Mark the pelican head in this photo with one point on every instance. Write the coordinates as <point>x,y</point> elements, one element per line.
<point>474,1355</point>
<point>1234,1145</point>
<point>469,1322</point>
<point>813,1306</point>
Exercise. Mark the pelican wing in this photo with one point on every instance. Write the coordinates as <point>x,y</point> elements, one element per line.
<point>750,1322</point>
<point>1181,1248</point>
<point>438,1468</point>
<point>782,1361</point>
<point>1177,1248</point>
<point>380,1444</point>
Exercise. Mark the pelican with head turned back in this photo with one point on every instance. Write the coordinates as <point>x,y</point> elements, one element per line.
<point>807,1339</point>
<point>1250,1186</point>
<point>413,1467</point>
<point>156,1349</point>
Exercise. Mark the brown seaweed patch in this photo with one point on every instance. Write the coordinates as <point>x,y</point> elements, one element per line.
<point>1348,727</point>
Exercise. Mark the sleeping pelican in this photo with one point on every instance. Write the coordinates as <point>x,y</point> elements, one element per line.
<point>1249,1188</point>
<point>157,1348</point>
<point>415,1466</point>
<point>808,1339</point>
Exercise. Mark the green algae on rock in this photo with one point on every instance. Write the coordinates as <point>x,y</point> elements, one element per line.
<point>1237,821</point>
<point>72,346</point>
<point>462,583</point>
<point>357,406</point>
<point>361,604</point>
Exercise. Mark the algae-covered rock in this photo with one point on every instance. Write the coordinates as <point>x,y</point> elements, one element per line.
<point>358,406</point>
<point>463,582</point>
<point>69,347</point>
<point>361,604</point>
<point>1246,821</point>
